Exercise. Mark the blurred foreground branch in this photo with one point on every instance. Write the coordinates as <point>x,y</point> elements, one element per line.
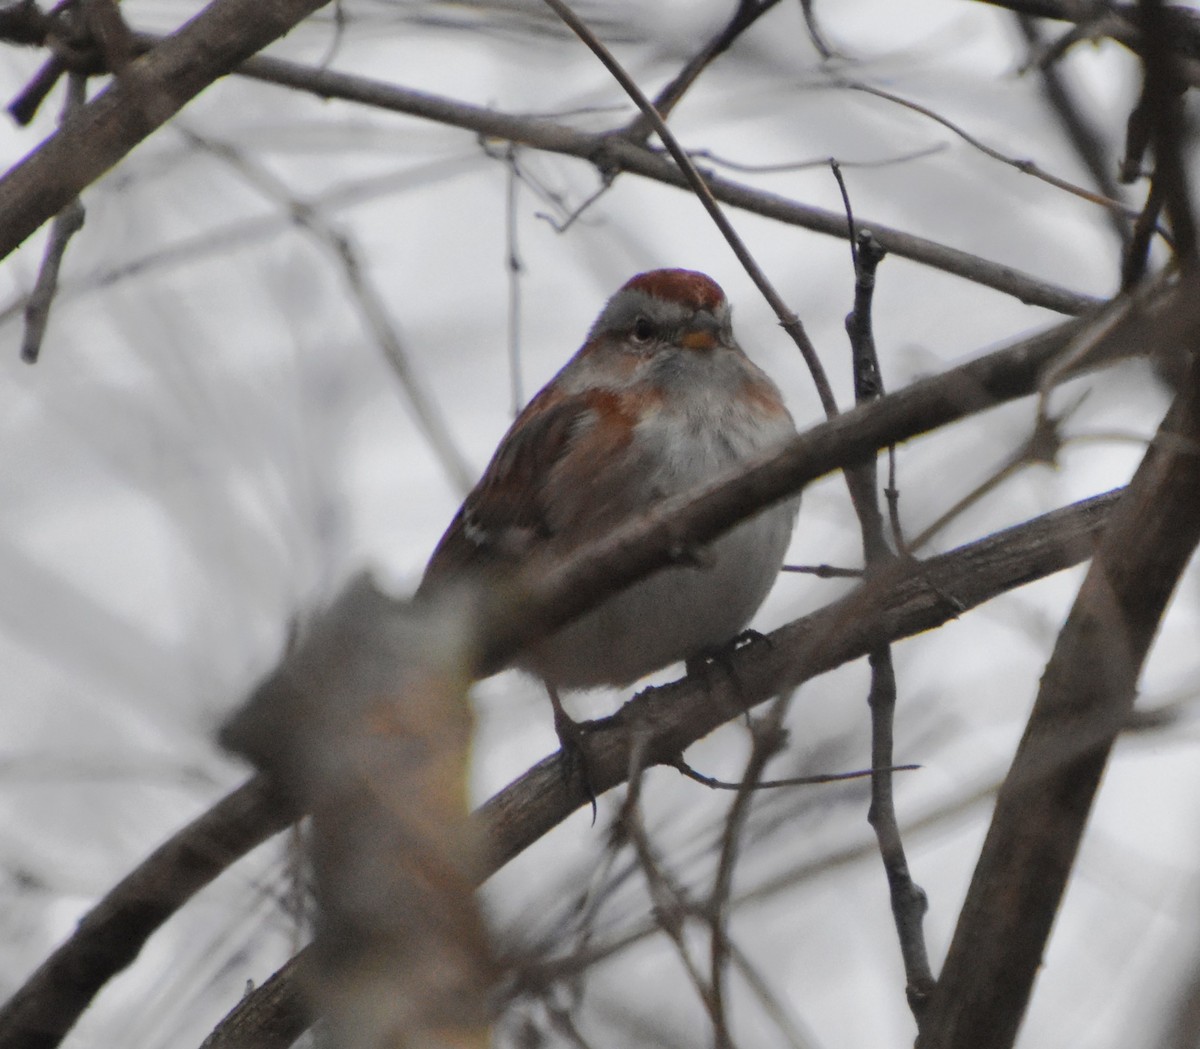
<point>547,597</point>
<point>367,727</point>
<point>907,599</point>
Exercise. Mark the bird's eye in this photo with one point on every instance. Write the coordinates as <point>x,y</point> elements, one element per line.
<point>643,330</point>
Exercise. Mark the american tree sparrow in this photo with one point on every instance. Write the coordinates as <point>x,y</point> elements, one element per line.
<point>659,400</point>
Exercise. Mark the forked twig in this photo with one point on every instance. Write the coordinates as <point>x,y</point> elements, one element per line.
<point>66,224</point>
<point>908,899</point>
<point>787,318</point>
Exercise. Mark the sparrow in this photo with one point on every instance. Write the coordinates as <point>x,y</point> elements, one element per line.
<point>659,400</point>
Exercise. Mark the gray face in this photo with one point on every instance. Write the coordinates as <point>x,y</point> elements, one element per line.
<point>643,319</point>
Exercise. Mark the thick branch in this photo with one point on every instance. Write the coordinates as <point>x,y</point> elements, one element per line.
<point>637,549</point>
<point>609,152</point>
<point>1085,698</point>
<point>150,90</point>
<point>662,722</point>
<point>110,936</point>
<point>614,153</point>
<point>547,595</point>
<point>1122,23</point>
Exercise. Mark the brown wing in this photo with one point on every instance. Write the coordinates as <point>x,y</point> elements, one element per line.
<point>506,510</point>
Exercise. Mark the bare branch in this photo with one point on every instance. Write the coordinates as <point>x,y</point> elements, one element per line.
<point>1083,136</point>
<point>1026,167</point>
<point>744,16</point>
<point>151,90</point>
<point>524,813</point>
<point>768,739</point>
<point>670,902</point>
<point>66,224</point>
<point>787,318</point>
<point>1085,700</point>
<point>661,723</point>
<point>111,934</point>
<point>612,154</point>
<point>1120,22</point>
<point>807,7</point>
<point>907,898</point>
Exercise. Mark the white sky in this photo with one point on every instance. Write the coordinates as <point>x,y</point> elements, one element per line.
<point>210,446</point>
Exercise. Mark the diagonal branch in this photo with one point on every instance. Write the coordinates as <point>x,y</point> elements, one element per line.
<point>150,90</point>
<point>24,209</point>
<point>744,16</point>
<point>1122,23</point>
<point>787,318</point>
<point>660,723</point>
<point>1086,697</point>
<point>113,932</point>
<point>1085,139</point>
<point>613,153</point>
<point>538,802</point>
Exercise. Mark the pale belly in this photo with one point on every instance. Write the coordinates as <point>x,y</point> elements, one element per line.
<point>675,614</point>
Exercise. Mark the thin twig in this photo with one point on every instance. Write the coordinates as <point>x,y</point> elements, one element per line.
<point>1086,141</point>
<point>567,215</point>
<point>860,478</point>
<point>744,16</point>
<point>815,162</point>
<point>770,1002</point>
<point>240,232</point>
<point>669,901</point>
<point>768,738</point>
<point>1144,305</point>
<point>787,319</point>
<point>1026,167</point>
<point>807,8</point>
<point>909,902</point>
<point>1041,447</point>
<point>572,965</point>
<point>60,31</point>
<point>370,304</point>
<point>576,213</point>
<point>514,269</point>
<point>1136,260</point>
<point>66,224</point>
<point>825,571</point>
<point>25,105</point>
<point>111,934</point>
<point>792,781</point>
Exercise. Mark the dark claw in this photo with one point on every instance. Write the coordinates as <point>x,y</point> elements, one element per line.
<point>570,740</point>
<point>750,637</point>
<point>701,664</point>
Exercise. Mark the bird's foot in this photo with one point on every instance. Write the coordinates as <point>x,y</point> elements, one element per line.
<point>701,665</point>
<point>571,734</point>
